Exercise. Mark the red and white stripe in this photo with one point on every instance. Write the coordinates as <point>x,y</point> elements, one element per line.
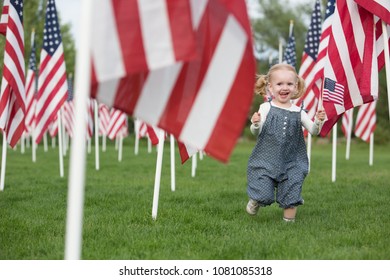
<point>117,124</point>
<point>366,121</point>
<point>53,128</point>
<point>346,122</point>
<point>13,95</point>
<point>90,117</point>
<point>202,100</point>
<point>306,70</point>
<point>146,130</point>
<point>31,100</point>
<point>351,60</point>
<point>186,151</point>
<point>380,8</point>
<point>52,79</point>
<point>104,118</point>
<point>68,117</point>
<point>4,17</point>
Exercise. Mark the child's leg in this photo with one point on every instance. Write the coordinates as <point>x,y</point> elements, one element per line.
<point>289,214</point>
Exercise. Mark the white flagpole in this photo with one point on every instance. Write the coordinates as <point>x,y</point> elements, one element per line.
<point>63,134</point>
<point>104,142</point>
<point>309,139</point>
<point>97,163</point>
<point>3,161</point>
<point>149,145</point>
<point>349,133</point>
<point>120,146</point>
<point>280,50</point>
<point>136,132</point>
<point>371,157</point>
<point>334,150</point>
<point>173,179</point>
<point>60,139</point>
<point>45,141</point>
<point>157,179</point>
<point>89,145</point>
<point>76,185</point>
<point>28,141</point>
<point>387,62</point>
<point>194,165</point>
<point>22,140</point>
<point>34,145</point>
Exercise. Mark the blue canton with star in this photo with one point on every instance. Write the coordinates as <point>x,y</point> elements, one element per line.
<point>51,32</point>
<point>18,5</point>
<point>313,35</point>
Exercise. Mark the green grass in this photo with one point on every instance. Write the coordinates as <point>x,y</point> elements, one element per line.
<point>204,218</point>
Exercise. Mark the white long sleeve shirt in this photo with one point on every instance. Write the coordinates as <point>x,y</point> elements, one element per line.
<point>313,128</point>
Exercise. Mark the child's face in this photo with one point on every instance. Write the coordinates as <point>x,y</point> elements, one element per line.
<point>282,85</point>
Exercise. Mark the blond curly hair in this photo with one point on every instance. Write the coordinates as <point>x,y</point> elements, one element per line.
<point>263,80</point>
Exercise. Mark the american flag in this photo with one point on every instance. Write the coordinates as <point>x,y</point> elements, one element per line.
<point>68,111</point>
<point>380,8</point>
<point>333,92</point>
<point>366,121</point>
<point>118,124</point>
<point>351,61</point>
<point>13,95</point>
<point>52,81</point>
<point>290,55</point>
<point>309,59</point>
<point>104,118</point>
<point>31,87</point>
<point>191,96</point>
<point>4,17</point>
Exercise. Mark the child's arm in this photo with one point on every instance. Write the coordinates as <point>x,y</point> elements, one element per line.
<point>258,118</point>
<point>313,128</point>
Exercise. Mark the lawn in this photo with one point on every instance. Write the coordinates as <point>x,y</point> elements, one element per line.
<point>204,218</point>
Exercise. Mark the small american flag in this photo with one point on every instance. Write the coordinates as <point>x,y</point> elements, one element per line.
<point>333,92</point>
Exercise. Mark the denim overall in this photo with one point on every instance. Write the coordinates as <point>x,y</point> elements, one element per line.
<point>278,161</point>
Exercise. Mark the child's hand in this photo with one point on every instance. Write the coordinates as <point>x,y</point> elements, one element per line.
<point>256,118</point>
<point>320,115</point>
